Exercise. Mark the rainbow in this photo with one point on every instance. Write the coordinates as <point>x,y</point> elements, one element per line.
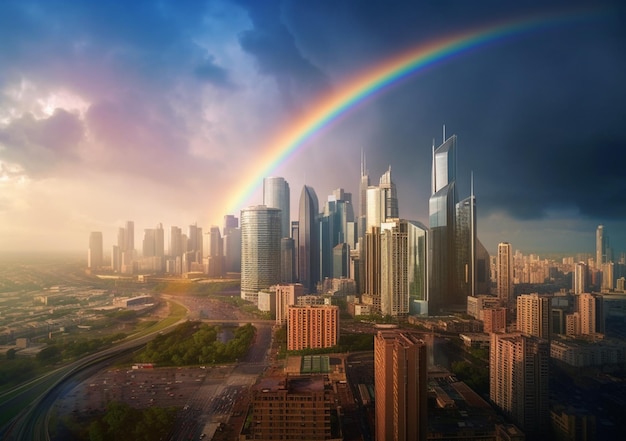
<point>367,84</point>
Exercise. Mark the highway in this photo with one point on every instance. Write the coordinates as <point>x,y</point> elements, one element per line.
<point>31,402</point>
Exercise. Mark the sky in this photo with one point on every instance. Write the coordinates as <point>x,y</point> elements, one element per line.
<point>158,112</point>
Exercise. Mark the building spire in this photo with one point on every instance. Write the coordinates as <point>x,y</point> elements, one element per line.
<point>444,134</point>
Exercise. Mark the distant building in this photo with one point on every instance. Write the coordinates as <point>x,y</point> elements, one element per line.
<point>312,327</point>
<point>494,320</point>
<point>505,272</point>
<point>401,386</point>
<point>95,254</point>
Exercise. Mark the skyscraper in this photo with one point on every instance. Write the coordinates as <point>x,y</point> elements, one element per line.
<point>260,250</point>
<point>602,247</point>
<point>581,278</point>
<point>276,195</point>
<point>215,253</point>
<point>518,380</point>
<point>334,229</point>
<point>232,244</point>
<point>308,240</point>
<point>442,234</point>
<point>504,272</point>
<point>454,245</point>
<point>95,253</point>
<point>400,386</point>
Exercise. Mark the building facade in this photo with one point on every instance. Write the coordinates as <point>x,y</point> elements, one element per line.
<point>400,386</point>
<point>312,327</point>
<point>518,380</point>
<point>533,315</point>
<point>504,272</point>
<point>276,195</point>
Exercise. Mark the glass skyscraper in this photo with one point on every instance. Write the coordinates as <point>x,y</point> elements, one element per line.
<point>260,250</point>
<point>308,240</point>
<point>276,195</point>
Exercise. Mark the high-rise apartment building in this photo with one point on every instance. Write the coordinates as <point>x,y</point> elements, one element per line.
<point>494,320</point>
<point>400,386</point>
<point>308,240</point>
<point>533,315</point>
<point>504,272</point>
<point>260,250</point>
<point>312,327</point>
<point>518,380</point>
<point>276,195</point>
<point>286,295</point>
<point>95,253</point>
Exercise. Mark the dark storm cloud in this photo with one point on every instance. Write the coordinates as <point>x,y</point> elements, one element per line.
<point>39,145</point>
<point>212,73</point>
<point>537,115</point>
<point>277,54</point>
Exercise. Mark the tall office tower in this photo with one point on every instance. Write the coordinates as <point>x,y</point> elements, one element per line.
<point>389,196</point>
<point>602,247</point>
<point>400,386</point>
<point>95,254</point>
<point>308,240</point>
<point>276,195</point>
<point>260,250</point>
<point>287,260</point>
<point>608,276</point>
<point>286,295</point>
<point>295,235</point>
<point>382,202</point>
<point>504,272</point>
<point>195,242</point>
<point>159,241</point>
<point>312,327</point>
<point>230,223</point>
<point>441,217</point>
<point>149,243</point>
<point>580,278</point>
<point>363,186</point>
<point>337,214</point>
<point>129,239</point>
<point>465,248</point>
<point>372,255</point>
<point>483,269</point>
<point>176,242</point>
<point>232,244</point>
<point>341,260</point>
<point>518,380</point>
<point>116,258</point>
<point>215,254</point>
<point>533,315</point>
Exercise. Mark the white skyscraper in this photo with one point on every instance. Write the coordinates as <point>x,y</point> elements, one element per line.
<point>276,195</point>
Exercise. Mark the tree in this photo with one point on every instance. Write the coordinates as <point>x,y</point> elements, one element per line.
<point>11,354</point>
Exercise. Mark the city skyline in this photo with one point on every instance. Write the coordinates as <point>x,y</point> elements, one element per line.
<point>105,120</point>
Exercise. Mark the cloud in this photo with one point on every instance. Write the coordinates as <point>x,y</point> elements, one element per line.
<point>39,145</point>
